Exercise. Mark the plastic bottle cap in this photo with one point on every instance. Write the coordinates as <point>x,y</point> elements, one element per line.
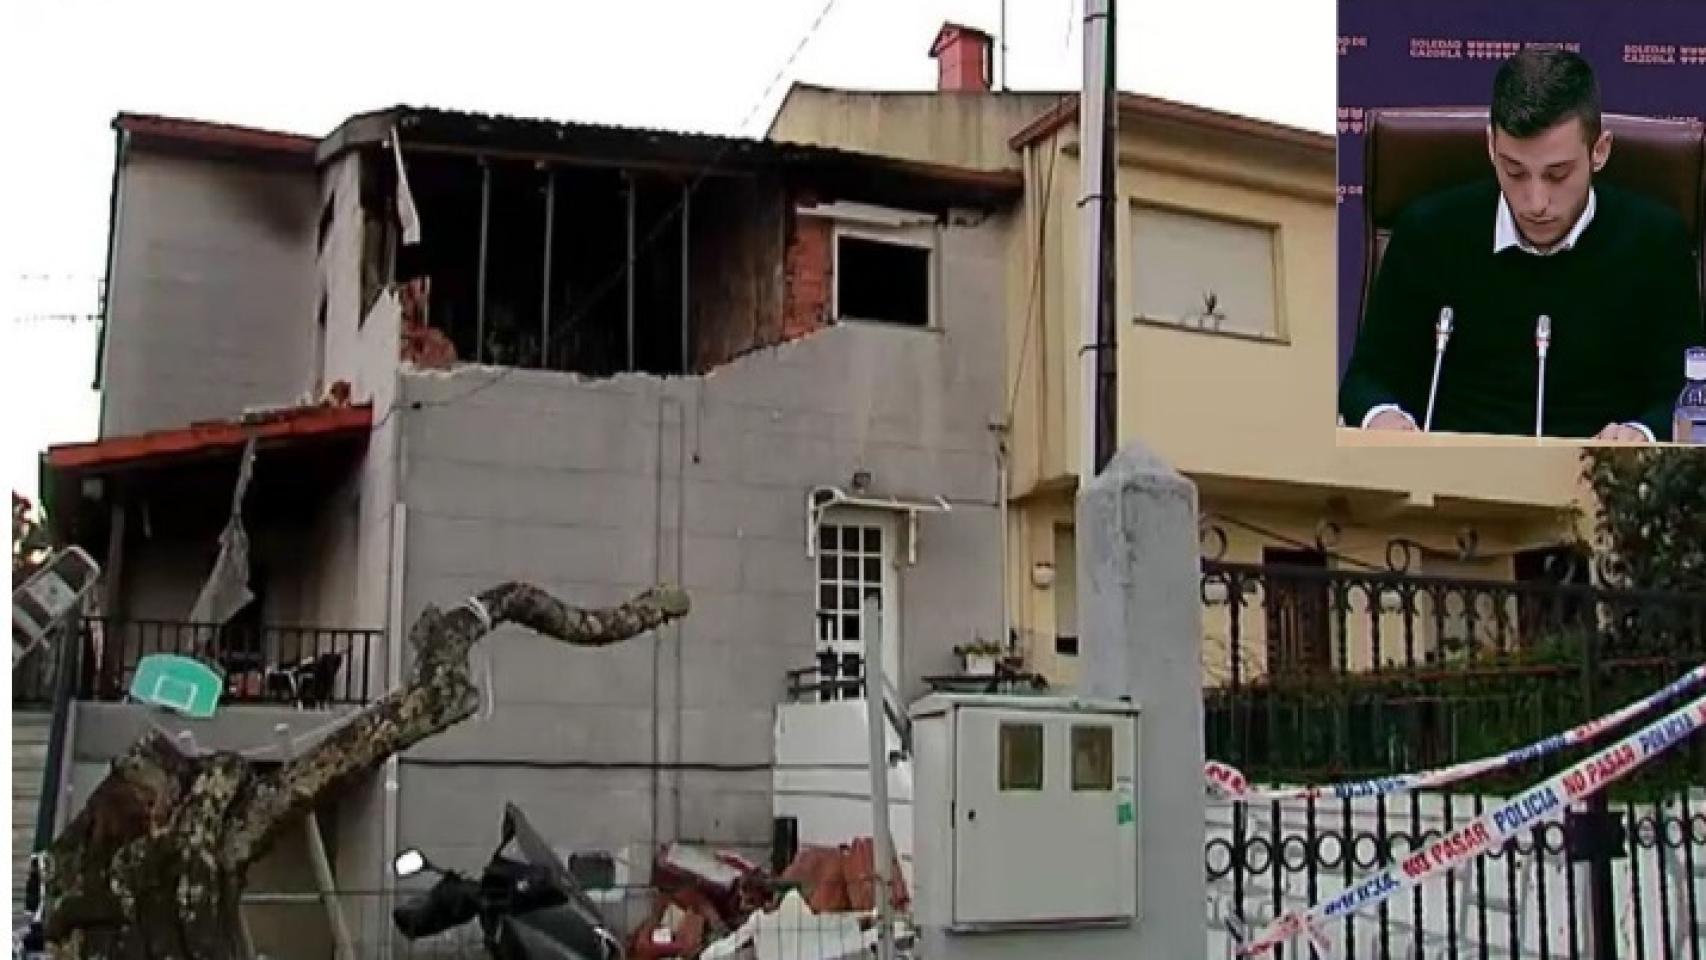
<point>1694,363</point>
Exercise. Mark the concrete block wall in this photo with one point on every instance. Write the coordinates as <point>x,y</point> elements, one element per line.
<point>597,489</point>
<point>211,300</point>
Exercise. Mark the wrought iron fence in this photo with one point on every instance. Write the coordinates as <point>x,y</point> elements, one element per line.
<point>1528,898</point>
<point>836,676</point>
<point>1316,674</point>
<point>303,666</point>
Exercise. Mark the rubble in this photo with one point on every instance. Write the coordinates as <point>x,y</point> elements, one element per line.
<point>844,878</point>
<point>422,345</point>
<point>711,904</point>
<point>793,931</point>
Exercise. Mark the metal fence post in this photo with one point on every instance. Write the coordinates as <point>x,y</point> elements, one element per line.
<point>1598,832</point>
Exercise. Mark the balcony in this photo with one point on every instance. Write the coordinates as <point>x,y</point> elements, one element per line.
<point>303,667</point>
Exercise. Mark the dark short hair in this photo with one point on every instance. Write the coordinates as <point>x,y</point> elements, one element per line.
<point>1536,90</point>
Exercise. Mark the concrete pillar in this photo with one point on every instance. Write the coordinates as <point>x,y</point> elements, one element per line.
<point>1140,634</point>
<point>1140,624</point>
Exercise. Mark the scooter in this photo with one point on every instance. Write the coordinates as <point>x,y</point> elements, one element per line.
<point>529,906</point>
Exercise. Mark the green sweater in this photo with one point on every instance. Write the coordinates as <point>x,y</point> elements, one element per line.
<point>1624,305</point>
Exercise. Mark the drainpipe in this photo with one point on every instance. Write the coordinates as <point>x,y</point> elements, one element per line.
<point>394,639</point>
<point>1002,481</point>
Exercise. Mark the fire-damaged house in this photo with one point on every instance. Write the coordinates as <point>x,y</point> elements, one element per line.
<point>432,351</point>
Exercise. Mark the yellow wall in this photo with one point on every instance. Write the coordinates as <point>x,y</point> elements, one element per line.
<point>1034,522</point>
<point>962,130</point>
<point>1226,407</point>
<point>1250,421</point>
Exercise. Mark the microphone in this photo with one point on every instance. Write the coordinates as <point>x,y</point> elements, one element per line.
<point>1542,340</point>
<point>1442,334</point>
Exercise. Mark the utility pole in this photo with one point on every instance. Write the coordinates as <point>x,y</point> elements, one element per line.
<point>1098,111</point>
<point>876,669</point>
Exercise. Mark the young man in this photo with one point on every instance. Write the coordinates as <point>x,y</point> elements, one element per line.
<point>1613,272</point>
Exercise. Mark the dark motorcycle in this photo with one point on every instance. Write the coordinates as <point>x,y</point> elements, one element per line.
<point>529,906</point>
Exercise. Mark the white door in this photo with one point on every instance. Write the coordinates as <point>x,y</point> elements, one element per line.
<point>856,560</point>
<point>1045,823</point>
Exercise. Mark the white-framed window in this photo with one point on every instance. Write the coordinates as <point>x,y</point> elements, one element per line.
<point>850,567</point>
<point>885,275</point>
<point>1205,272</point>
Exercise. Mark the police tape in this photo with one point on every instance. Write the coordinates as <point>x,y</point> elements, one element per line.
<point>1225,782</point>
<point>1539,804</point>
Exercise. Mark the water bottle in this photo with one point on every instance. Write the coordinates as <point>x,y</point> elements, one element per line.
<point>1691,404</point>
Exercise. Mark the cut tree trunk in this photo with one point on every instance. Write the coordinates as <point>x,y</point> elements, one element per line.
<point>154,865</point>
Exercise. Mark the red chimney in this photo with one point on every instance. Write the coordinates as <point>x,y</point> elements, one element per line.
<point>962,58</point>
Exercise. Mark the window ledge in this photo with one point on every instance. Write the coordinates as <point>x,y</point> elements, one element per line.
<point>886,325</point>
<point>1263,338</point>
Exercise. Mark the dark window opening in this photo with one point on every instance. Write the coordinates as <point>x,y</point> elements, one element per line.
<point>882,281</point>
<point>1297,612</point>
<point>326,213</point>
<point>378,224</point>
<point>446,190</point>
<point>657,276</point>
<point>515,270</point>
<point>1066,646</point>
<point>589,294</point>
<point>567,304</point>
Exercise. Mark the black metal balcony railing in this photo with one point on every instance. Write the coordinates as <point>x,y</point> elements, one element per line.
<point>1311,672</point>
<point>300,666</point>
<point>837,676</point>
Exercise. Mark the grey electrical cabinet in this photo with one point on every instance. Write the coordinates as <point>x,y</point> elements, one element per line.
<point>1026,811</point>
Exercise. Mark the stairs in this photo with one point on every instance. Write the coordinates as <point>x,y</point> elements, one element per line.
<point>29,758</point>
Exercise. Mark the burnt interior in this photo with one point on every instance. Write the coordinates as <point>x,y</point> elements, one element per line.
<point>579,318</point>
<point>525,248</point>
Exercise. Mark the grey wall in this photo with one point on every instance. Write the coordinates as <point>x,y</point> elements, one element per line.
<point>357,581</point>
<point>212,298</point>
<point>595,489</point>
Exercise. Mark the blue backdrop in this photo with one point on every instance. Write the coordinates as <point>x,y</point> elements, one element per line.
<point>1649,55</point>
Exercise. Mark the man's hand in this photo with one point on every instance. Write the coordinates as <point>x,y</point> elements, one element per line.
<point>1621,432</point>
<point>1391,420</point>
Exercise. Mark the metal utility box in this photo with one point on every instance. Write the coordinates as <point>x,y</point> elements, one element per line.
<point>1026,812</point>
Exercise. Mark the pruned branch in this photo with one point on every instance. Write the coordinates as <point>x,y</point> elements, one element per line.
<point>153,863</point>
<point>439,695</point>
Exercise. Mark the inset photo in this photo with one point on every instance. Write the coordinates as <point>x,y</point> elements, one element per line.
<point>1521,221</point>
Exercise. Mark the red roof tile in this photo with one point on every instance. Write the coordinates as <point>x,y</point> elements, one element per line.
<point>294,423</point>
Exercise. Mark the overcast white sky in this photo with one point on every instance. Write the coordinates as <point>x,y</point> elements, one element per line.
<point>66,67</point>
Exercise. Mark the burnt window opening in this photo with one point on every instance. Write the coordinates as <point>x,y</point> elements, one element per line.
<point>550,287</point>
<point>378,225</point>
<point>882,281</point>
<point>508,331</point>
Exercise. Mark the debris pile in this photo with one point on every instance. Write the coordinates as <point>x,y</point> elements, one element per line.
<point>718,904</point>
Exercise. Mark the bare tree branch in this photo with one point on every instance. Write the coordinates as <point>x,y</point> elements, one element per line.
<point>154,863</point>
